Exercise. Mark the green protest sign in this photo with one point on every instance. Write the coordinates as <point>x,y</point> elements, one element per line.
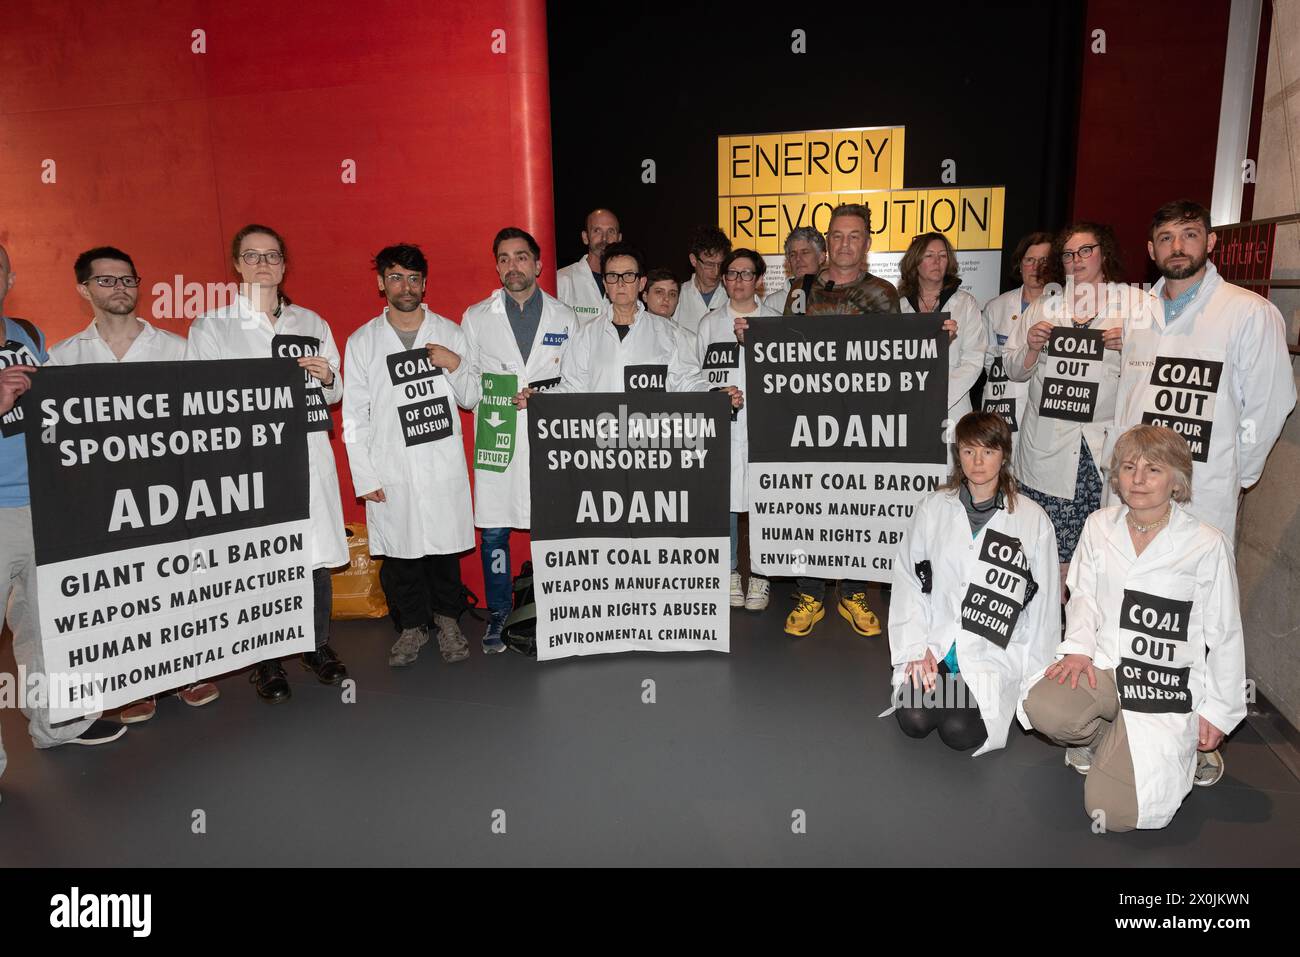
<point>494,438</point>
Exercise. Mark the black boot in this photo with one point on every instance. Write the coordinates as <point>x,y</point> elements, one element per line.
<point>269,679</point>
<point>329,670</point>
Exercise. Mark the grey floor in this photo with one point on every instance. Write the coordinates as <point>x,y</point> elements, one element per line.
<point>417,770</point>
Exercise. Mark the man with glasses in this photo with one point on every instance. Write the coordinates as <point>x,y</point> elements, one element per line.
<point>23,351</point>
<point>106,278</point>
<point>406,375</point>
<point>1212,364</point>
<point>844,287</point>
<point>579,286</point>
<point>805,255</point>
<point>709,246</point>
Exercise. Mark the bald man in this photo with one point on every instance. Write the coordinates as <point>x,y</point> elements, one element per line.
<point>23,351</point>
<point>580,286</point>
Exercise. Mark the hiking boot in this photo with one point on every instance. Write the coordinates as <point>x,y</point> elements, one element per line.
<point>407,647</point>
<point>451,642</point>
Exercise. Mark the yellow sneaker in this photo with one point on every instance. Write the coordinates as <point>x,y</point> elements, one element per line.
<point>854,610</point>
<point>807,612</point>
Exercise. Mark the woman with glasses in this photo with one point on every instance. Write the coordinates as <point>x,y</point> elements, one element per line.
<point>720,352</point>
<point>626,348</point>
<point>928,282</point>
<point>1002,315</point>
<point>1056,457</point>
<point>260,324</point>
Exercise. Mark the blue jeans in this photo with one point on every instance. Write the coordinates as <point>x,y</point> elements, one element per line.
<point>498,583</point>
<point>735,540</point>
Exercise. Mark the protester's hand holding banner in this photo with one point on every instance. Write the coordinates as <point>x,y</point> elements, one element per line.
<point>170,517</point>
<point>846,433</point>
<point>630,531</point>
<point>1075,368</point>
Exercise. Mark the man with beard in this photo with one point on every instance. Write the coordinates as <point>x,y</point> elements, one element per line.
<point>516,338</point>
<point>106,278</point>
<point>406,375</point>
<point>579,286</point>
<point>1213,366</point>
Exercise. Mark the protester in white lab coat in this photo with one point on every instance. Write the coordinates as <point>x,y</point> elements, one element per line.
<point>1058,461</point>
<point>1212,364</point>
<point>703,291</point>
<point>805,255</point>
<point>579,286</point>
<point>407,372</point>
<point>928,282</point>
<point>626,348</point>
<point>248,329</point>
<point>515,339</point>
<point>720,354</point>
<point>662,291</point>
<point>1153,651</point>
<point>974,609</point>
<point>106,278</point>
<point>1002,316</point>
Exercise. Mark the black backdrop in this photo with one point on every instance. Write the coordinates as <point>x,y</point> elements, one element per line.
<point>993,86</point>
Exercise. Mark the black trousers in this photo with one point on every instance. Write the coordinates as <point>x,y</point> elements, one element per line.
<point>950,708</point>
<point>419,588</point>
<point>322,587</point>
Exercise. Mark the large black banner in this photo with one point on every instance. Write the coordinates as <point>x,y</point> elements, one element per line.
<point>846,433</point>
<point>630,521</point>
<point>170,516</point>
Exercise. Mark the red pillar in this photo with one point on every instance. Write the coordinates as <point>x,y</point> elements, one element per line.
<point>530,127</point>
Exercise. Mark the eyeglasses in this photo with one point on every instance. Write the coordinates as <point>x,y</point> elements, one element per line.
<point>1083,252</point>
<point>1035,261</point>
<point>739,275</point>
<point>396,279</point>
<point>711,263</point>
<point>614,278</point>
<point>108,282</point>
<point>251,257</point>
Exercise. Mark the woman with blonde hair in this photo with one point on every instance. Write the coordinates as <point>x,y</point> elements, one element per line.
<point>1151,675</point>
<point>974,606</point>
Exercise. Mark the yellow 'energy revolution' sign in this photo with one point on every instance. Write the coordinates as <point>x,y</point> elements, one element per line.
<point>768,185</point>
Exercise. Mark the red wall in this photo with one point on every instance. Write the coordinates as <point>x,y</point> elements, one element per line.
<point>1148,113</point>
<point>166,152</point>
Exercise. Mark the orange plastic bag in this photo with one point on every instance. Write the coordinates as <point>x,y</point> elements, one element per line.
<point>357,592</point>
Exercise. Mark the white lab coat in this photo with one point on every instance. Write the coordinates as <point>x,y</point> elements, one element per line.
<point>1188,561</point>
<point>240,331</point>
<point>939,533</point>
<point>1047,454</point>
<point>1002,316</point>
<point>965,353</point>
<point>691,307</point>
<point>151,345</point>
<point>501,499</point>
<point>719,327</point>
<point>596,358</point>
<point>1246,333</point>
<point>427,509</point>
<point>576,287</point>
<point>777,300</point>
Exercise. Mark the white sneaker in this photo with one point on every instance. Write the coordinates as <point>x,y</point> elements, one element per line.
<point>737,595</point>
<point>759,591</point>
<point>1079,758</point>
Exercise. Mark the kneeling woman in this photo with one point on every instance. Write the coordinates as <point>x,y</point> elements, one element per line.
<point>975,607</point>
<point>1152,673</point>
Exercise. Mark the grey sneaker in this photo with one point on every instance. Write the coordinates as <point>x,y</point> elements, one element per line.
<point>1209,768</point>
<point>492,641</point>
<point>451,642</point>
<point>407,647</point>
<point>1079,758</point>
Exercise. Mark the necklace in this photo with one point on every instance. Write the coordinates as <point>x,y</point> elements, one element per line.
<point>1146,528</point>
